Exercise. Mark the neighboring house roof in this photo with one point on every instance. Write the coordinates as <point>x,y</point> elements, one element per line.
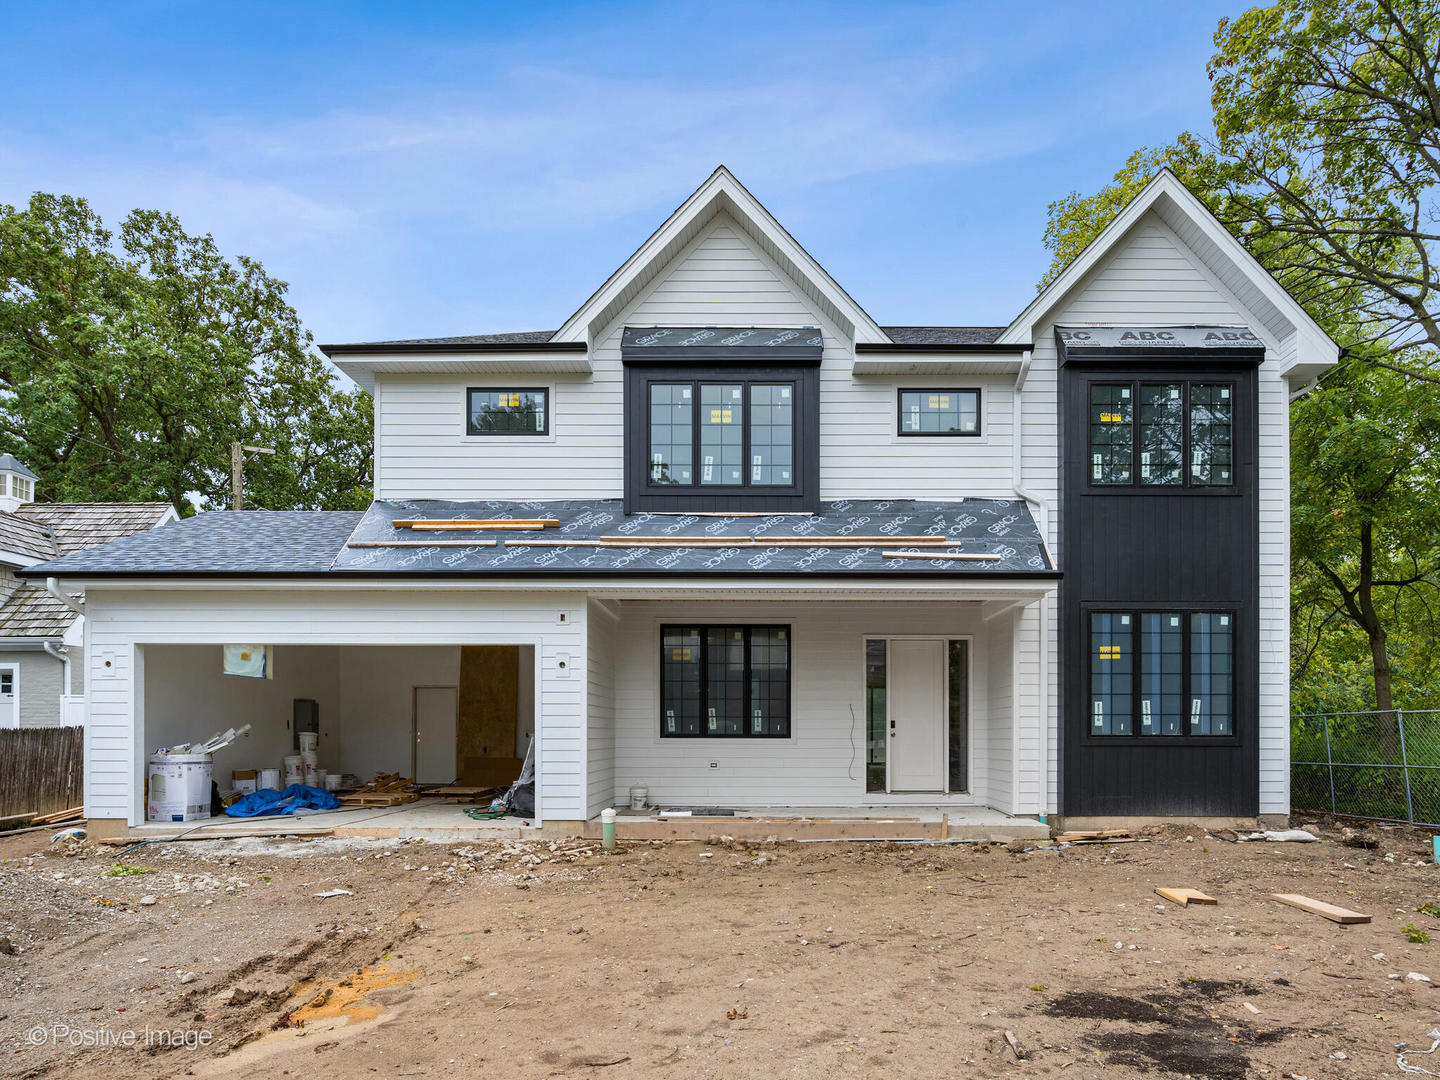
<point>309,543</point>
<point>31,612</point>
<point>11,462</point>
<point>36,532</point>
<point>25,540</point>
<point>82,525</point>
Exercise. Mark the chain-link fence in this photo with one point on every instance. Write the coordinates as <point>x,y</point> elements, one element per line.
<point>1383,765</point>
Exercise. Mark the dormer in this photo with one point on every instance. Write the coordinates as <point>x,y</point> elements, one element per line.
<point>17,484</point>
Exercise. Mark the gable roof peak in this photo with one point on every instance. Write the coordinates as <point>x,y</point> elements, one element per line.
<point>720,192</point>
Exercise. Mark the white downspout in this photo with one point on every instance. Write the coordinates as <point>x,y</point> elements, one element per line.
<point>52,586</point>
<point>64,659</point>
<point>1042,659</point>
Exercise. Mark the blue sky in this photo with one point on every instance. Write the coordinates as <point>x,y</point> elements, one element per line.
<point>422,169</point>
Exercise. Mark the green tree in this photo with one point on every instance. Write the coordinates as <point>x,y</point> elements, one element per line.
<point>1325,163</point>
<point>129,364</point>
<point>1365,516</point>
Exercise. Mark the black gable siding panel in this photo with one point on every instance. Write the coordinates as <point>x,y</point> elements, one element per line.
<point>1143,549</point>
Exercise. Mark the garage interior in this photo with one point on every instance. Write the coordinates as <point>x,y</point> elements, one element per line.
<point>441,714</point>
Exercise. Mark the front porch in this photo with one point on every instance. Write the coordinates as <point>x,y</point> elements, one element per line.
<point>928,708</point>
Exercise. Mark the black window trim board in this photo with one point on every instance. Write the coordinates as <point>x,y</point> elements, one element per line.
<point>705,628</point>
<point>1185,738</point>
<point>900,393</point>
<point>641,495</point>
<point>543,391</point>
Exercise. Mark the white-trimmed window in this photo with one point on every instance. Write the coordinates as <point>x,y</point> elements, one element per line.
<point>9,695</point>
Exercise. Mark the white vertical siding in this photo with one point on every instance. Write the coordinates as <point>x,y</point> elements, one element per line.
<point>1000,676</point>
<point>823,762</point>
<point>121,622</point>
<point>600,628</point>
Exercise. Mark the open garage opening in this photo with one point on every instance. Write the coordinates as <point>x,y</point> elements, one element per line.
<point>443,715</point>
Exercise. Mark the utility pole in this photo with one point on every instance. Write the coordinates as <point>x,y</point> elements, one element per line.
<point>237,471</point>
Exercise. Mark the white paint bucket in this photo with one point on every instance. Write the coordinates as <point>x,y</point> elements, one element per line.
<point>294,771</point>
<point>309,741</point>
<point>332,781</point>
<point>639,796</point>
<point>179,787</point>
<point>270,778</point>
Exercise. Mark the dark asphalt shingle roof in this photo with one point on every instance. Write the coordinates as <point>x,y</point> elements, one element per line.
<point>221,542</point>
<point>901,335</point>
<point>305,543</point>
<point>944,335</point>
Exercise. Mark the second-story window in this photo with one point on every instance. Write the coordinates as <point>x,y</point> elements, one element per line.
<point>1182,434</point>
<point>507,411</point>
<point>940,412</point>
<point>733,434</point>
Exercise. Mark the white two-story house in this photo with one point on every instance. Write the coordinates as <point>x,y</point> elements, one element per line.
<point>724,536</point>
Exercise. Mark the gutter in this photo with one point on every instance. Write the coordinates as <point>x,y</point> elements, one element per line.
<point>52,586</point>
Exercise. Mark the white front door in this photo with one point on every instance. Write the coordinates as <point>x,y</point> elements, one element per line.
<point>917,715</point>
<point>435,737</point>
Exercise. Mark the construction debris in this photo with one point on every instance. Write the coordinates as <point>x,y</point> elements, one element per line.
<point>1185,897</point>
<point>387,789</point>
<point>1281,836</point>
<point>1344,916</point>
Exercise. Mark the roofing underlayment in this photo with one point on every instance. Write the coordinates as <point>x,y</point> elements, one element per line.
<point>995,538</point>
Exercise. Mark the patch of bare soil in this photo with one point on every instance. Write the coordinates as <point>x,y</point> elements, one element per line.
<point>729,960</point>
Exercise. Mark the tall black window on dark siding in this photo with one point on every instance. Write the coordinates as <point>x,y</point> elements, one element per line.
<point>725,681</point>
<point>1184,437</point>
<point>507,411</point>
<point>1178,666</point>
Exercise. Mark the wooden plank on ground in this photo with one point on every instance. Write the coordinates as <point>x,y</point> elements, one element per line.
<point>1185,897</point>
<point>1341,915</point>
<point>1091,834</point>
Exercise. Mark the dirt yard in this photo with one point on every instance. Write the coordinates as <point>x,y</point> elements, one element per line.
<point>514,960</point>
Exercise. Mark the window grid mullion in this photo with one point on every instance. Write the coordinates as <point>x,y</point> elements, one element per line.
<point>704,694</point>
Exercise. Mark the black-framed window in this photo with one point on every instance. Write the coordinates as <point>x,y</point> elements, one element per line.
<point>507,411</point>
<point>732,433</point>
<point>939,412</point>
<point>1162,673</point>
<point>725,682</point>
<point>1184,437</point>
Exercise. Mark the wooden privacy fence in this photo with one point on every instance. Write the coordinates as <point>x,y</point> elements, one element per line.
<point>41,769</point>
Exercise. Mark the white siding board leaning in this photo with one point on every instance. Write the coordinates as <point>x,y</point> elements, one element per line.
<point>120,622</point>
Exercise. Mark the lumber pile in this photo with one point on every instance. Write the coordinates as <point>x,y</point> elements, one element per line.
<point>60,817</point>
<point>387,789</point>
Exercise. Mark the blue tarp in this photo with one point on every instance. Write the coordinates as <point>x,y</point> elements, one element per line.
<point>267,801</point>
